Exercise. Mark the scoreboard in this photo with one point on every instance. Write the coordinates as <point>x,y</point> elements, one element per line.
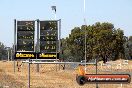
<point>25,35</point>
<point>47,40</point>
<point>48,36</point>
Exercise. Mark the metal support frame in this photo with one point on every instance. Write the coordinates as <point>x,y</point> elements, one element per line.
<point>14,40</point>
<point>58,42</point>
<point>59,35</point>
<point>34,62</point>
<point>38,43</point>
<point>59,39</point>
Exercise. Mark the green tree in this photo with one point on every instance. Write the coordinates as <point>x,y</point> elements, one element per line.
<point>103,40</point>
<point>128,48</point>
<point>3,52</point>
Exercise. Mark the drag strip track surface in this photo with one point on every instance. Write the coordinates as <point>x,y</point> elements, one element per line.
<point>8,81</point>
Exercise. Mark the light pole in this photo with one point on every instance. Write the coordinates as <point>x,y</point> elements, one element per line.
<point>8,53</point>
<point>11,54</point>
<point>54,8</point>
<point>85,35</point>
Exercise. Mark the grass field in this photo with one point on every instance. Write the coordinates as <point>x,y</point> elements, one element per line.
<point>51,77</point>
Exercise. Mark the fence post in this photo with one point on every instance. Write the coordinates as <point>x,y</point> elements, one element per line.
<point>96,71</point>
<point>29,73</point>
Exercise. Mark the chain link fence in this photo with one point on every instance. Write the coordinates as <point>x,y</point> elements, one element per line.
<point>58,75</point>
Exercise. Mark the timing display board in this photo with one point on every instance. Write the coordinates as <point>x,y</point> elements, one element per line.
<point>48,36</point>
<point>25,40</point>
<point>25,35</point>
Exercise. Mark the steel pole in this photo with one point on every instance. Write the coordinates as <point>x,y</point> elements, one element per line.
<point>38,45</point>
<point>14,41</point>
<point>59,35</point>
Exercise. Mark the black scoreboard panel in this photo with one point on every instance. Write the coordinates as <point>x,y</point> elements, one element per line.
<point>48,32</point>
<point>48,46</point>
<point>48,25</point>
<point>25,25</point>
<point>25,45</point>
<point>25,35</point>
<point>48,36</point>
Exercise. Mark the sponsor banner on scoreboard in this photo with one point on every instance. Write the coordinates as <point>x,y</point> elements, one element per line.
<point>25,55</point>
<point>34,55</point>
<point>48,55</point>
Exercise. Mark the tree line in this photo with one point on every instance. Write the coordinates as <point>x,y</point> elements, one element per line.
<point>103,41</point>
<point>5,52</point>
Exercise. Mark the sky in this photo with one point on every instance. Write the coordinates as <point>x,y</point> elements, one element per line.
<point>71,13</point>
